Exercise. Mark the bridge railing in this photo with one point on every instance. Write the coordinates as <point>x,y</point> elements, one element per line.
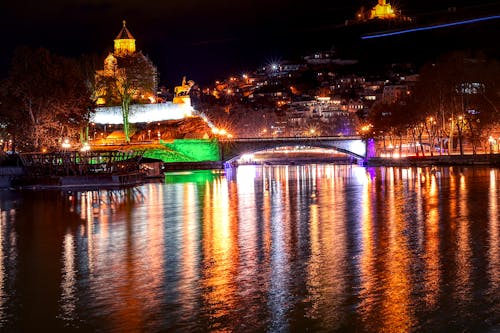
<point>292,138</point>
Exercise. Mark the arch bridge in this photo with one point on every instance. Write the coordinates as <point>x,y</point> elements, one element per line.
<point>351,145</point>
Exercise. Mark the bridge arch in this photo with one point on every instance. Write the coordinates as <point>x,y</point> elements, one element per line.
<point>233,149</point>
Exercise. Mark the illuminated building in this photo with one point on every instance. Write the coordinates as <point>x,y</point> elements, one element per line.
<point>394,93</point>
<point>124,42</point>
<point>126,67</point>
<point>382,10</point>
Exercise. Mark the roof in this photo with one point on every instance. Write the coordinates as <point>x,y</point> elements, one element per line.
<point>124,33</point>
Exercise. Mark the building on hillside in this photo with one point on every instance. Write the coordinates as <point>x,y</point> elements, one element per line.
<point>394,93</point>
<point>126,70</point>
<point>328,58</point>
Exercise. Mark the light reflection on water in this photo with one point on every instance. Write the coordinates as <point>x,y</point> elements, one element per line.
<point>274,248</point>
<point>2,268</point>
<point>494,235</point>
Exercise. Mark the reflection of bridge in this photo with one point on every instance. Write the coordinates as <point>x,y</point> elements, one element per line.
<point>351,145</point>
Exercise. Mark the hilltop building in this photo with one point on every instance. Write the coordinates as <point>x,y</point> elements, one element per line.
<point>383,11</point>
<point>126,69</point>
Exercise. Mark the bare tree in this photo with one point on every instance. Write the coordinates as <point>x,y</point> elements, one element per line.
<point>47,94</point>
<point>460,93</point>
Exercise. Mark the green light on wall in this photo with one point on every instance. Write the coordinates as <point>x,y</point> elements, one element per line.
<point>186,150</point>
<point>195,149</point>
<point>165,155</point>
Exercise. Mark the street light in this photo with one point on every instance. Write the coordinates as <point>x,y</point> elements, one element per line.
<point>66,145</point>
<point>460,127</point>
<point>492,142</point>
<point>85,147</point>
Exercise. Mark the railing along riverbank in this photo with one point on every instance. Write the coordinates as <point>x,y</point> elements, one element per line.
<point>76,169</point>
<point>438,160</point>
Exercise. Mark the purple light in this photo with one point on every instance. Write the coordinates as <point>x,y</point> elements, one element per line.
<point>371,150</point>
<point>438,26</point>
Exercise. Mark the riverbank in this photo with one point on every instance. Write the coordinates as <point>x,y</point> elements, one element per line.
<point>77,182</point>
<point>182,166</point>
<point>16,177</point>
<point>439,160</point>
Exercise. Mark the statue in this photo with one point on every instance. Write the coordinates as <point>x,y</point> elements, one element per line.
<point>181,93</point>
<point>183,90</point>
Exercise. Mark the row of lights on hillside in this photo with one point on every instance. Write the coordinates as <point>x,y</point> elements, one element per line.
<point>66,145</point>
<point>221,132</point>
<point>216,130</point>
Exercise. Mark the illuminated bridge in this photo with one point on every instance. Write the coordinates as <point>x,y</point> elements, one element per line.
<point>232,149</point>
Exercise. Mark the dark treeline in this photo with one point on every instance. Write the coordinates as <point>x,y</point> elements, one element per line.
<point>43,99</point>
<point>454,101</point>
<point>47,99</point>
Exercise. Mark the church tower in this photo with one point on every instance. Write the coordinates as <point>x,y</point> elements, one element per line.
<point>124,42</point>
<point>126,64</point>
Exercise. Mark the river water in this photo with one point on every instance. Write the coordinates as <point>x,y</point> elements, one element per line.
<point>322,248</point>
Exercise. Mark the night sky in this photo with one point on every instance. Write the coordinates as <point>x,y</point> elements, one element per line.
<point>208,40</point>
